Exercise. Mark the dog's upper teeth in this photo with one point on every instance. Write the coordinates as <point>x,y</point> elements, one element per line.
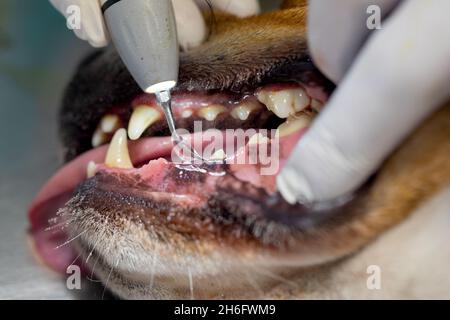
<point>211,112</point>
<point>186,113</point>
<point>98,138</point>
<point>141,119</point>
<point>110,123</point>
<point>91,167</point>
<point>243,111</point>
<point>258,138</point>
<point>284,103</point>
<point>117,155</point>
<point>293,124</point>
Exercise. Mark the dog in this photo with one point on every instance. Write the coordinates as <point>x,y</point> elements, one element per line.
<point>149,229</point>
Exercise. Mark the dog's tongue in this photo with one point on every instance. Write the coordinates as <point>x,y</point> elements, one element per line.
<point>51,242</point>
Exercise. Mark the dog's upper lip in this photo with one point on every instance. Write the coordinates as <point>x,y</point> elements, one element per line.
<point>102,82</point>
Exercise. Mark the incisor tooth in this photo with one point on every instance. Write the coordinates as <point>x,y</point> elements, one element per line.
<point>284,103</point>
<point>142,118</point>
<point>117,155</point>
<point>293,124</point>
<point>258,138</point>
<point>187,113</point>
<point>91,167</point>
<point>98,138</point>
<point>243,111</point>
<point>211,112</point>
<point>110,123</point>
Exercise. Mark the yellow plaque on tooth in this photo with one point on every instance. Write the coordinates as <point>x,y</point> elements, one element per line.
<point>117,155</point>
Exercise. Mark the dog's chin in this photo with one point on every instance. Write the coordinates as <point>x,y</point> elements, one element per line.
<point>240,241</point>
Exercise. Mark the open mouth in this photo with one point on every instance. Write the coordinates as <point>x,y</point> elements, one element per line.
<point>131,154</point>
<point>120,181</point>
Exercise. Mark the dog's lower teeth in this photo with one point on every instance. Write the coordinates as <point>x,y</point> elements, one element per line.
<point>110,123</point>
<point>284,103</point>
<point>141,119</point>
<point>243,111</point>
<point>91,167</point>
<point>211,112</point>
<point>294,124</point>
<point>98,138</point>
<point>117,155</point>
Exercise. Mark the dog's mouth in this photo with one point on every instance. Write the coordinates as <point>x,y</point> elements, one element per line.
<point>121,183</point>
<point>142,170</point>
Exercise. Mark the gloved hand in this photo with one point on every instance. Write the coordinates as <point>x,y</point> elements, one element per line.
<point>389,85</point>
<point>190,24</point>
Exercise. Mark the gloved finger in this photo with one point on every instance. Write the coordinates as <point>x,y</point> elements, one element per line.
<point>190,23</point>
<point>92,25</point>
<point>238,8</point>
<point>337,30</point>
<point>400,76</point>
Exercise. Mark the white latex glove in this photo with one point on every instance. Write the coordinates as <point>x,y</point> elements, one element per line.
<point>190,24</point>
<point>397,78</point>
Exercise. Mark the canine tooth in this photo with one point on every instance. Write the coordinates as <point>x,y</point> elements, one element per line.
<point>219,155</point>
<point>187,113</point>
<point>258,138</point>
<point>117,155</point>
<point>91,167</point>
<point>142,118</point>
<point>210,113</point>
<point>293,124</point>
<point>316,105</point>
<point>98,138</point>
<point>110,123</point>
<point>243,111</point>
<point>284,103</point>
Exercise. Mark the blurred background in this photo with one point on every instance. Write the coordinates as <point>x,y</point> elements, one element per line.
<point>38,56</point>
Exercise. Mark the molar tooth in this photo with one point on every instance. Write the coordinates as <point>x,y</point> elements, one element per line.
<point>117,155</point>
<point>293,124</point>
<point>284,103</point>
<point>91,167</point>
<point>243,111</point>
<point>110,123</point>
<point>98,138</point>
<point>142,118</point>
<point>316,105</point>
<point>258,138</point>
<point>211,112</point>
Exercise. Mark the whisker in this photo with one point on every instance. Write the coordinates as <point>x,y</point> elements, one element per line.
<point>152,272</point>
<point>274,276</point>
<point>70,240</point>
<point>191,284</point>
<point>253,283</point>
<point>96,242</point>
<point>107,279</point>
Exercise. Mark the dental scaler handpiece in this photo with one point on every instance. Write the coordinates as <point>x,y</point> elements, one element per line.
<point>145,36</point>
